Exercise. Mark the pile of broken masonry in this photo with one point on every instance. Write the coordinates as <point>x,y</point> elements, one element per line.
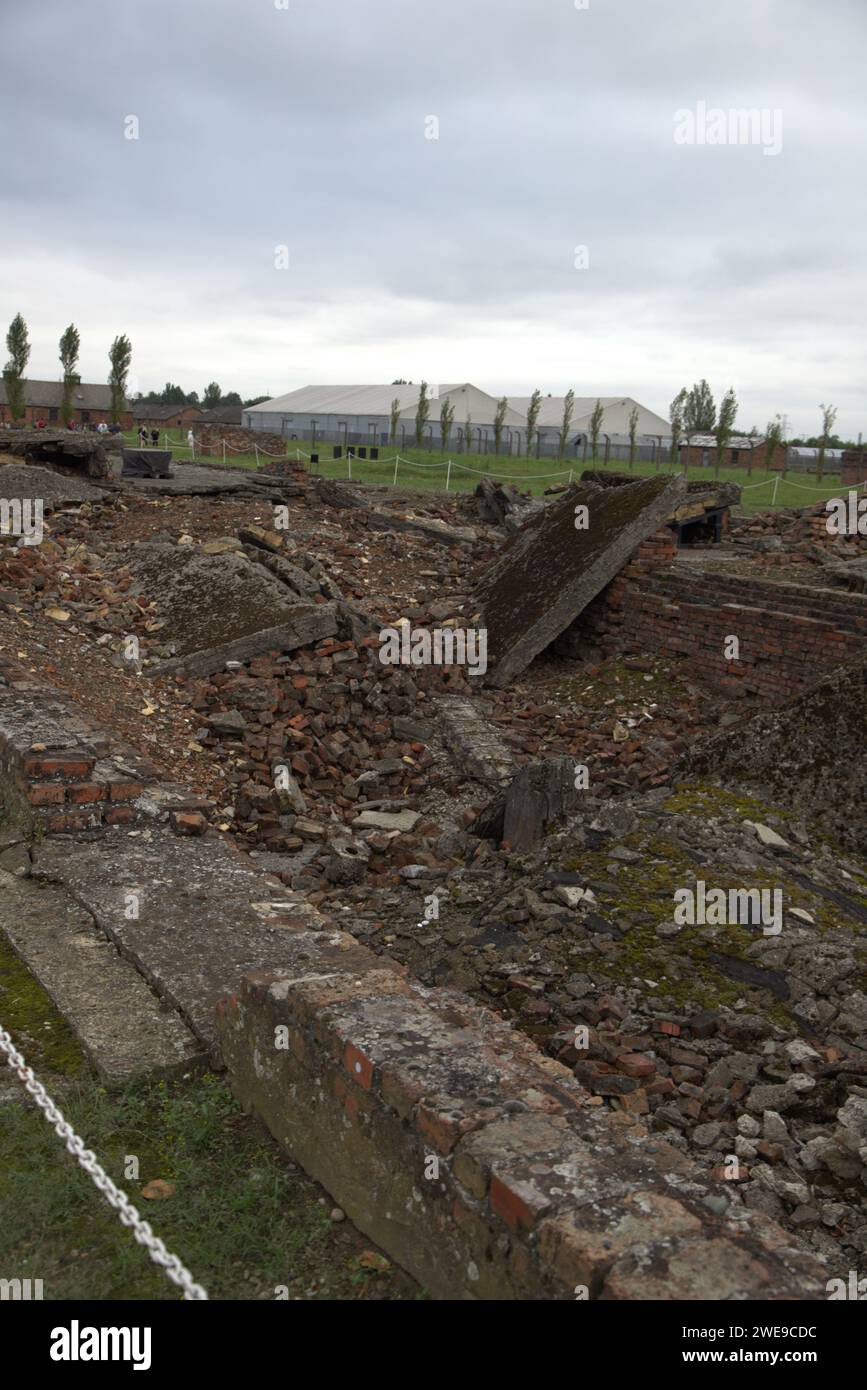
<point>400,785</point>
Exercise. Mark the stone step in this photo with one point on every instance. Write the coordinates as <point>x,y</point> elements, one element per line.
<point>121,1024</point>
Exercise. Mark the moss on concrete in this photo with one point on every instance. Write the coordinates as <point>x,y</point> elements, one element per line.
<point>643,897</point>
<point>39,1031</point>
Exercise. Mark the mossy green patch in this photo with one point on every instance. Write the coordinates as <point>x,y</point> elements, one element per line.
<point>625,685</point>
<point>39,1031</point>
<point>643,897</point>
<point>695,799</point>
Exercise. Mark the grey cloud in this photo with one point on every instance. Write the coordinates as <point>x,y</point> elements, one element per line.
<point>261,127</point>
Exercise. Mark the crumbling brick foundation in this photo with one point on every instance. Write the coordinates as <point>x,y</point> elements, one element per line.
<point>210,440</point>
<point>482,1166</point>
<point>60,773</point>
<point>789,635</point>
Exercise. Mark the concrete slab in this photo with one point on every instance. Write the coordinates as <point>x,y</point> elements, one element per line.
<point>310,623</point>
<point>212,480</point>
<point>123,1028</point>
<point>475,742</point>
<point>205,915</point>
<point>551,569</point>
<point>209,601</point>
<point>54,490</point>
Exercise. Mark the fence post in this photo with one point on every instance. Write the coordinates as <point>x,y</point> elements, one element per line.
<point>396,462</point>
<point>349,465</point>
<point>256,451</point>
<point>570,475</point>
<point>224,451</point>
<point>448,474</point>
<point>774,498</point>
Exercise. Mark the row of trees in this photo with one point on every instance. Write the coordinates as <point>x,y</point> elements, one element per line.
<point>119,357</point>
<point>693,411</point>
<point>447,419</point>
<point>211,397</point>
<point>18,347</point>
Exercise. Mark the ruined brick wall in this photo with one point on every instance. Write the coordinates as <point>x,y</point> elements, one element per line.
<point>854,467</point>
<point>789,637</point>
<point>210,440</point>
<point>801,531</point>
<point>694,455</point>
<point>59,772</point>
<point>480,1165</point>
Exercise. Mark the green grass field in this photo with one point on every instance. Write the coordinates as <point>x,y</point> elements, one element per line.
<point>422,468</point>
<point>247,1222</point>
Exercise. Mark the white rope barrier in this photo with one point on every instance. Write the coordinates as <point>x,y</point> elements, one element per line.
<point>450,464</point>
<point>768,482</point>
<point>170,1264</point>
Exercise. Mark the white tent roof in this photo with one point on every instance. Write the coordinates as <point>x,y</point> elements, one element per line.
<point>615,419</point>
<point>468,400</point>
<point>339,400</point>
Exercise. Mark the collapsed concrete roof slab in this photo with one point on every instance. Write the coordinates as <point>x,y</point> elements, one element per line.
<point>85,453</point>
<point>52,489</point>
<point>548,573</point>
<point>310,623</point>
<point>214,480</point>
<point>702,494</point>
<point>211,601</point>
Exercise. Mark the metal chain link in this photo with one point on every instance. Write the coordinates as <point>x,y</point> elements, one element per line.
<point>113,1195</point>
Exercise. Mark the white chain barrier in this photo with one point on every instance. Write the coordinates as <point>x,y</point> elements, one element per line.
<point>128,1214</point>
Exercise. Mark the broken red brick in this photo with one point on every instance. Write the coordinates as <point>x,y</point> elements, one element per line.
<point>83,795</point>
<point>125,791</point>
<point>185,822</point>
<point>359,1067</point>
<point>58,766</point>
<point>442,1130</point>
<point>46,795</point>
<point>635,1064</point>
<point>518,1203</point>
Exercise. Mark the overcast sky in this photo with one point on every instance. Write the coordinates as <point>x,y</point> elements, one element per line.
<point>306,124</point>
